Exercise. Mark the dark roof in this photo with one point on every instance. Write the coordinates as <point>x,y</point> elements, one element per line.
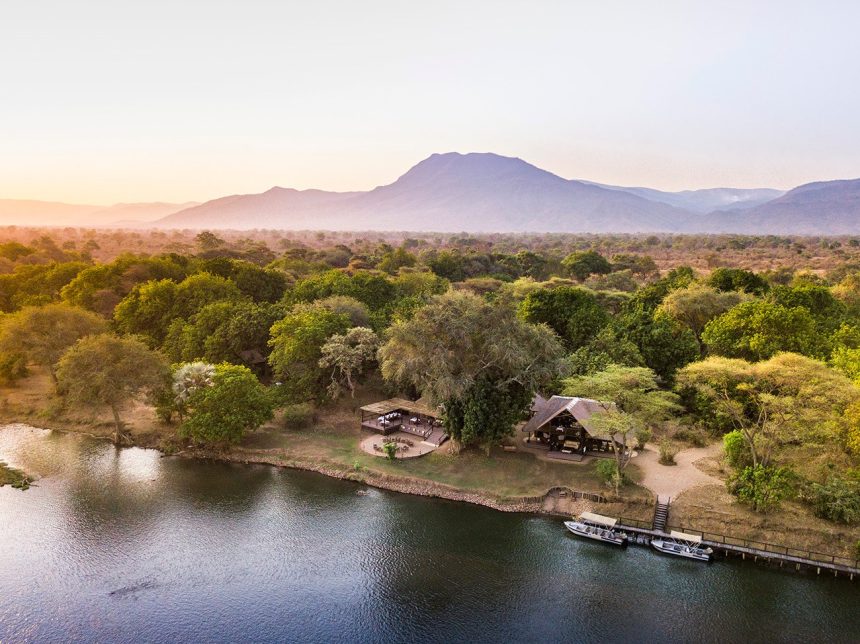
<point>401,404</point>
<point>582,409</point>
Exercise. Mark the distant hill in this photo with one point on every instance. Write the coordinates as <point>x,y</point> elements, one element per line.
<point>485,192</point>
<point>445,192</point>
<point>21,212</point>
<point>708,199</point>
<point>821,208</point>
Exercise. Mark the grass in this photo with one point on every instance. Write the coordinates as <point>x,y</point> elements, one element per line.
<point>13,477</point>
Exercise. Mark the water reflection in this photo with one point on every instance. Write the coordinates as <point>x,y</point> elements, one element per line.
<point>120,545</point>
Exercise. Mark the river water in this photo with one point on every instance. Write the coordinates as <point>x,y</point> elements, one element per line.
<point>117,545</point>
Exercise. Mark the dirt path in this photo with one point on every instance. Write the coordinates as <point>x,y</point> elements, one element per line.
<point>671,480</point>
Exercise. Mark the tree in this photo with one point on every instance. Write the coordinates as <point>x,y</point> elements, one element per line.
<point>187,379</point>
<point>42,334</point>
<point>374,290</point>
<point>581,264</point>
<point>786,398</point>
<point>639,405</point>
<point>348,356</point>
<point>34,285</point>
<point>223,332</point>
<point>296,342</point>
<point>737,279</point>
<point>698,304</point>
<point>607,348</point>
<point>762,487</point>
<point>233,404</point>
<point>573,313</point>
<point>151,307</point>
<point>477,359</point>
<point>759,329</point>
<point>665,344</point>
<point>396,259</point>
<point>105,370</point>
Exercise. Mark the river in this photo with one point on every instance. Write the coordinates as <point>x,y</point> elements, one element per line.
<point>118,545</point>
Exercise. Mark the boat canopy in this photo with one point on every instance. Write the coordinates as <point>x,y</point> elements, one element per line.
<point>683,536</point>
<point>599,519</point>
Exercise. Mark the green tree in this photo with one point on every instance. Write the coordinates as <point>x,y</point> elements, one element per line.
<point>607,348</point>
<point>639,404</point>
<point>786,398</point>
<point>297,342</point>
<point>105,370</point>
<point>373,289</point>
<point>581,264</point>
<point>151,307</point>
<point>348,356</point>
<point>759,329</point>
<point>42,334</point>
<point>477,359</point>
<point>233,404</point>
<point>573,313</point>
<point>763,488</point>
<point>698,304</point>
<point>665,344</point>
<point>737,279</point>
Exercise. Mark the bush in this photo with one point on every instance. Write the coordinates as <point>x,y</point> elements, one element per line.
<point>737,451</point>
<point>643,436</point>
<point>836,500</point>
<point>668,450</point>
<point>695,436</point>
<point>762,488</point>
<point>607,471</point>
<point>13,367</point>
<point>297,416</point>
<point>390,449</point>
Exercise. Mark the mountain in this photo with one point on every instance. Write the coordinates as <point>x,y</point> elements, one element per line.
<point>820,208</point>
<point>20,212</point>
<point>477,192</point>
<point>708,199</point>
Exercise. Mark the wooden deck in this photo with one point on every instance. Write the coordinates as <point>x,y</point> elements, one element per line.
<point>757,551</point>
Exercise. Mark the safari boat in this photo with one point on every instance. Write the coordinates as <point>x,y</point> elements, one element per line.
<point>597,527</point>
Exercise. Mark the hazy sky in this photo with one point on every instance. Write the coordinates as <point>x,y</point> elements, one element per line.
<point>104,101</point>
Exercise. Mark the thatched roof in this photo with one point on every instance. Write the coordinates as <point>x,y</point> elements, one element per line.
<point>401,404</point>
<point>582,409</point>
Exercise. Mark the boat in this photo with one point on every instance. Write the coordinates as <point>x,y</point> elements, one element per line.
<point>597,527</point>
<point>681,544</point>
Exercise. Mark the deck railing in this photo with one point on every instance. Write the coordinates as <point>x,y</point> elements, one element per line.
<point>753,544</point>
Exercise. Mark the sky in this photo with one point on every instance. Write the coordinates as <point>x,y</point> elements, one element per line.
<point>120,101</point>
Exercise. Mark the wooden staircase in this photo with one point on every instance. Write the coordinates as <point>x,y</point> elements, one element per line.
<point>661,514</point>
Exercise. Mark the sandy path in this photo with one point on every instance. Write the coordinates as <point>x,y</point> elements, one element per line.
<point>671,480</point>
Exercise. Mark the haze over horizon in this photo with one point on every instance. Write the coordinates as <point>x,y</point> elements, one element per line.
<point>112,102</point>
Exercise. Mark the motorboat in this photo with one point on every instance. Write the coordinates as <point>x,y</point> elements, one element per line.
<point>681,544</point>
<point>597,527</point>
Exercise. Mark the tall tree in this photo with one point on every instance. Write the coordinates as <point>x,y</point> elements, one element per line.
<point>581,264</point>
<point>297,342</point>
<point>477,359</point>
<point>105,370</point>
<point>348,356</point>
<point>786,398</point>
<point>235,402</point>
<point>573,313</point>
<point>42,334</point>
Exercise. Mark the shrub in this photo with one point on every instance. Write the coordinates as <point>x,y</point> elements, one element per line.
<point>762,488</point>
<point>297,416</point>
<point>607,471</point>
<point>836,500</point>
<point>737,450</point>
<point>13,366</point>
<point>643,436</point>
<point>390,449</point>
<point>695,436</point>
<point>668,450</point>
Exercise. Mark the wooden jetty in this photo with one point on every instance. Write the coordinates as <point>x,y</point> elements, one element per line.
<point>641,533</point>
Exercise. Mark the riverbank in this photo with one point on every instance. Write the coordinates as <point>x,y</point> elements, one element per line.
<point>504,481</point>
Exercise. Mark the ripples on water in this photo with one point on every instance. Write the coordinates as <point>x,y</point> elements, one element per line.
<point>122,545</point>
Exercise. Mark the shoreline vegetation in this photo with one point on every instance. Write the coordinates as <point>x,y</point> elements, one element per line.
<point>14,477</point>
<point>500,480</point>
<point>736,359</point>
